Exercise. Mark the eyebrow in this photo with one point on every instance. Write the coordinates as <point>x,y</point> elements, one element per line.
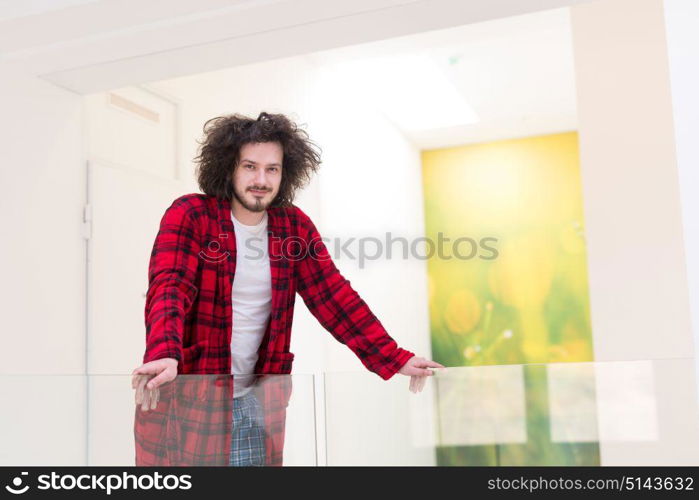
<point>255,163</point>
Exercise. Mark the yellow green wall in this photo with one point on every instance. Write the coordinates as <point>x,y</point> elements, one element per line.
<point>522,296</point>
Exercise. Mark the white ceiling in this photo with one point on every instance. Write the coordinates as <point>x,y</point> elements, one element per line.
<point>87,46</point>
<point>516,71</point>
<point>517,74</point>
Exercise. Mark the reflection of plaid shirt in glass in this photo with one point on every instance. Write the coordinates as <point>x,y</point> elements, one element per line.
<point>248,433</point>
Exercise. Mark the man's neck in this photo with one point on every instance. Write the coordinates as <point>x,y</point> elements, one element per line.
<point>245,216</point>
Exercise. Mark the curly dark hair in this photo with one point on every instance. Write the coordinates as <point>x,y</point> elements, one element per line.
<point>220,153</point>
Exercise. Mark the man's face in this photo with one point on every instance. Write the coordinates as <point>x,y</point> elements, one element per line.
<point>258,175</point>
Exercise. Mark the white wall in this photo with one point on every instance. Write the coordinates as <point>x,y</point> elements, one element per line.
<point>681,20</point>
<point>133,178</point>
<point>43,252</point>
<point>636,257</point>
<point>371,185</point>
<point>42,262</point>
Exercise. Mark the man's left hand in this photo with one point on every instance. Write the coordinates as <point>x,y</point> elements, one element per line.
<point>417,369</point>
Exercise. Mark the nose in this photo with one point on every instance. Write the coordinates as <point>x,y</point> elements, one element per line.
<point>260,177</point>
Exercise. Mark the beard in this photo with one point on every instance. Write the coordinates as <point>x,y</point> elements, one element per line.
<point>257,205</point>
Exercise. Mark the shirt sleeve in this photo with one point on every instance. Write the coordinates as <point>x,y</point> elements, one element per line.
<point>339,308</point>
<point>172,273</point>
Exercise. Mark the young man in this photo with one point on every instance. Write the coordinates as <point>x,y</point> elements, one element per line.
<point>226,266</point>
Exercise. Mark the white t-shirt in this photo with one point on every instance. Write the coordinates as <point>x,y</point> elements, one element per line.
<point>252,300</point>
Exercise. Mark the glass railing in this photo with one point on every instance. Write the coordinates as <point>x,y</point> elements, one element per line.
<point>220,420</point>
<point>594,413</point>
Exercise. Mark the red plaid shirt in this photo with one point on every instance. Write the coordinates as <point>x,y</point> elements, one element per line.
<point>188,310</point>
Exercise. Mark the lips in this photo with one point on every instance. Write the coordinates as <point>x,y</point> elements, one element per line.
<point>257,192</point>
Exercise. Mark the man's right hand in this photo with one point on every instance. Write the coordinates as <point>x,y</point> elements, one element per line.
<point>148,377</point>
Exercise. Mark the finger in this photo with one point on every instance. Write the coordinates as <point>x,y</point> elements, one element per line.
<point>428,364</point>
<point>157,381</point>
<point>434,364</point>
<point>412,384</point>
<point>139,390</point>
<point>155,399</point>
<point>148,369</point>
<point>414,371</point>
<point>421,384</point>
<point>153,395</point>
<point>146,400</point>
<point>421,364</point>
<point>417,384</point>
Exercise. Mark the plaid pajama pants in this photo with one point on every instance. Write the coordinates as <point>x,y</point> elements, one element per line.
<point>248,433</point>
